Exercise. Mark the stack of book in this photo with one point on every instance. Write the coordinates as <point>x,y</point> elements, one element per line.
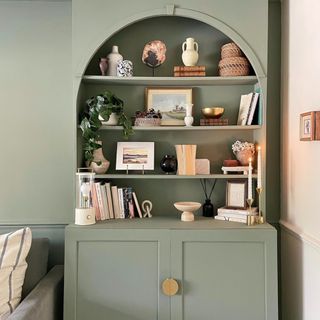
<point>111,202</point>
<point>248,108</point>
<point>235,215</point>
<point>214,122</point>
<point>194,71</point>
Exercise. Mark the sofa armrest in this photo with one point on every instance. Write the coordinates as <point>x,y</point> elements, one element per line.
<point>45,301</point>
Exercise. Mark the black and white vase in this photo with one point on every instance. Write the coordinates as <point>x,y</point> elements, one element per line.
<point>125,68</point>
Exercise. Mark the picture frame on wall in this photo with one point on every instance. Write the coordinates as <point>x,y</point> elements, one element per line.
<point>171,102</point>
<point>135,156</point>
<point>310,126</point>
<point>236,194</point>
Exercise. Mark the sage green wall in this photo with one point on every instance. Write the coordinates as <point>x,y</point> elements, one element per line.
<point>36,130</point>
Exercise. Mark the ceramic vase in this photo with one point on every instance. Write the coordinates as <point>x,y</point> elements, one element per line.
<point>243,156</point>
<point>188,119</point>
<point>103,65</point>
<point>169,164</point>
<point>99,164</point>
<point>114,57</point>
<point>190,54</point>
<point>125,68</point>
<point>113,120</point>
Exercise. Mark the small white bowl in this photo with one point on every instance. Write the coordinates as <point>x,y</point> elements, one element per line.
<point>188,208</point>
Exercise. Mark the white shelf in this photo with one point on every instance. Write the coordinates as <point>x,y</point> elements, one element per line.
<point>172,81</point>
<point>182,128</point>
<point>172,176</point>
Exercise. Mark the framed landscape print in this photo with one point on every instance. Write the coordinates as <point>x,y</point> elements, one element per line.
<point>170,102</point>
<point>135,156</point>
<point>236,194</point>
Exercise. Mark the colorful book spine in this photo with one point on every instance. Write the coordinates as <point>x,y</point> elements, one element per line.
<point>95,203</point>
<point>115,201</point>
<point>121,204</point>
<point>99,197</point>
<point>104,202</point>
<point>109,199</point>
<point>130,202</point>
<point>189,74</point>
<point>136,203</point>
<point>189,68</point>
<point>214,122</point>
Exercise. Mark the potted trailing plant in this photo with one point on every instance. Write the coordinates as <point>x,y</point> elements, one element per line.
<point>101,106</point>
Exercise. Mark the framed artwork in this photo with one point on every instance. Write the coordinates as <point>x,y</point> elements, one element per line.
<point>236,194</point>
<point>135,156</point>
<point>170,102</point>
<point>310,126</point>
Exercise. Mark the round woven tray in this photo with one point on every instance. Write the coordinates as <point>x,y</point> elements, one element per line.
<point>147,122</point>
<point>231,50</point>
<point>232,67</point>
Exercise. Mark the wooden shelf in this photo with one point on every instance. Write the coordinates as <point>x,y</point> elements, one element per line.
<point>172,81</point>
<point>183,128</point>
<point>172,176</point>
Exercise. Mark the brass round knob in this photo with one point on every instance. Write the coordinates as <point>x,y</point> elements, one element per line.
<point>170,287</point>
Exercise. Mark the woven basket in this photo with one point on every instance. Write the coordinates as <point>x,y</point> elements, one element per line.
<point>147,122</point>
<point>232,67</point>
<point>231,50</point>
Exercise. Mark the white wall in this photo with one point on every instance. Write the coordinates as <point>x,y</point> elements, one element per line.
<point>300,213</point>
<point>36,127</point>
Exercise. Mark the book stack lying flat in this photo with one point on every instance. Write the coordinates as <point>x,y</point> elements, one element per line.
<point>194,71</point>
<point>214,122</point>
<point>111,202</point>
<point>235,215</point>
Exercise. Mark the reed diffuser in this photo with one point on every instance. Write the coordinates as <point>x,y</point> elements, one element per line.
<point>207,207</point>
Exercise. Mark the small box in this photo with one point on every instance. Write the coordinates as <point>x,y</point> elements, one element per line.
<point>202,166</point>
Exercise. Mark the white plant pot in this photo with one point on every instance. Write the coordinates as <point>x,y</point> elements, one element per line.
<point>113,120</point>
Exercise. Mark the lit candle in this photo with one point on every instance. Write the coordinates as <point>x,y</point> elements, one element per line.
<point>250,180</point>
<point>259,167</point>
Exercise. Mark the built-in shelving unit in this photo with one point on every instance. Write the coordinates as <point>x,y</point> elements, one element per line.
<point>172,81</point>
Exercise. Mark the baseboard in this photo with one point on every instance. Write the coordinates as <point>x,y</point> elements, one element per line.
<point>300,235</point>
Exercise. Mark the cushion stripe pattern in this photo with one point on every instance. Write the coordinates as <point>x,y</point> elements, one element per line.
<point>14,248</point>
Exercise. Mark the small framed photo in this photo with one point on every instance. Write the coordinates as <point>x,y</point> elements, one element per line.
<point>307,123</point>
<point>135,156</point>
<point>171,102</point>
<point>236,194</point>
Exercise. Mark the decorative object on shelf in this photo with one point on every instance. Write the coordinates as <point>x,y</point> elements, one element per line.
<point>232,65</point>
<point>146,206</point>
<point>193,71</point>
<point>103,65</point>
<point>202,166</point>
<point>214,122</point>
<point>236,193</point>
<point>188,208</point>
<point>125,68</point>
<point>212,113</point>
<point>250,180</point>
<point>101,105</point>
<point>251,218</point>
<point>186,155</point>
<point>231,50</point>
<point>170,102</point>
<point>114,57</point>
<point>85,212</point>
<point>154,54</point>
<point>113,119</point>
<point>99,163</point>
<point>310,126</point>
<point>188,119</point>
<point>190,55</point>
<point>259,167</point>
<point>149,118</point>
<point>243,151</point>
<point>238,169</point>
<point>230,163</point>
<point>247,108</point>
<point>169,164</point>
<point>235,215</point>
<point>207,207</point>
<point>135,156</point>
<point>260,218</point>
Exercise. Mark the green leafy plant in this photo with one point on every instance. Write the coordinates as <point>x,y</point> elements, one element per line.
<point>101,105</point>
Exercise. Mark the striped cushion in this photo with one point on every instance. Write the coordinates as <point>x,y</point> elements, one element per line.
<point>14,248</point>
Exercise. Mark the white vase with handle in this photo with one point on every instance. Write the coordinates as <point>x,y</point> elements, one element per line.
<point>190,53</point>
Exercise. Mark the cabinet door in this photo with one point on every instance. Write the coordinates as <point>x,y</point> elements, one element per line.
<point>117,275</point>
<point>225,275</point>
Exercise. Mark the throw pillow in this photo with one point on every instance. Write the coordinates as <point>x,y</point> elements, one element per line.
<point>14,248</point>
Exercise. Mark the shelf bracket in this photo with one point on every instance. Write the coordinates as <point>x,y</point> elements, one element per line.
<point>170,9</point>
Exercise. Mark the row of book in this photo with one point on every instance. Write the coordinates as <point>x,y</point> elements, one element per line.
<point>235,215</point>
<point>185,71</point>
<point>111,202</point>
<point>248,108</point>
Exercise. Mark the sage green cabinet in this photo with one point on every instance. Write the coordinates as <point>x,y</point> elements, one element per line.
<point>115,271</point>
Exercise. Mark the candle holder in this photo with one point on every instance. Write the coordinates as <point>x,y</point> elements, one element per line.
<point>251,219</point>
<point>260,218</point>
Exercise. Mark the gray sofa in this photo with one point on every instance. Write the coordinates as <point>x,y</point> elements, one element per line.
<point>42,293</point>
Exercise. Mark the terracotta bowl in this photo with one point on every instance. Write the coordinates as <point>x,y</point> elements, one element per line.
<point>212,113</point>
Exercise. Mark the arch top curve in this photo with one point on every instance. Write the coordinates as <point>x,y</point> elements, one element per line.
<point>171,10</point>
